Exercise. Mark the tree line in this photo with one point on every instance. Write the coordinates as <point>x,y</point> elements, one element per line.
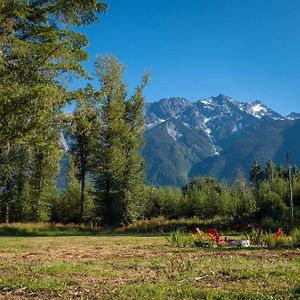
<point>264,200</point>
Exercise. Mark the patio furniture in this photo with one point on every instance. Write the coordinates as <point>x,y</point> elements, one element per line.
<point>215,234</point>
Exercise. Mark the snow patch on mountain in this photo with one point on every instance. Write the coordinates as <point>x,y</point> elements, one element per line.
<point>173,133</point>
<point>157,122</point>
<point>235,128</point>
<point>258,108</point>
<point>206,120</point>
<point>208,131</point>
<point>208,103</point>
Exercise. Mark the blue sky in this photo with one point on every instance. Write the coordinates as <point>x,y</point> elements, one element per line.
<point>246,49</point>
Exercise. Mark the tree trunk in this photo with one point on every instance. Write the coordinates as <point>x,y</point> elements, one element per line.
<point>82,196</point>
<point>7,202</point>
<point>8,187</point>
<point>7,212</point>
<point>83,164</point>
<point>291,196</point>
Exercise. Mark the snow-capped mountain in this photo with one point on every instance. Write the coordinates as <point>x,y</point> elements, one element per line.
<point>183,137</point>
<point>215,117</point>
<point>201,113</point>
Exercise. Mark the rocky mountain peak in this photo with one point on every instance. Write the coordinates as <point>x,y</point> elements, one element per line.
<point>259,110</point>
<point>293,116</point>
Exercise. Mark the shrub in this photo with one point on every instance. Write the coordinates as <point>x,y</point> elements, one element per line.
<point>170,202</point>
<point>256,236</point>
<point>284,241</point>
<point>270,240</point>
<point>271,201</point>
<point>167,201</point>
<point>295,234</point>
<point>247,205</point>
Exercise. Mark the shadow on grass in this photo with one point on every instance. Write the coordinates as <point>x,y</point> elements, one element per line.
<point>23,232</point>
<point>147,228</point>
<point>48,230</point>
<point>296,293</point>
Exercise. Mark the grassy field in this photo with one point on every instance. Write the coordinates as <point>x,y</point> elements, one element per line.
<point>137,267</point>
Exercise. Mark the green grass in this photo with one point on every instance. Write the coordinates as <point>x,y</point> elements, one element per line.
<point>136,267</point>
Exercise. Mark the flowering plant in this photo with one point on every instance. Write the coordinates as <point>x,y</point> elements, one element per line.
<point>202,239</point>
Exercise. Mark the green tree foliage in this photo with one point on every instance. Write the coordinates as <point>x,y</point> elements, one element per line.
<point>66,207</point>
<point>270,171</point>
<point>13,181</point>
<point>44,169</point>
<point>28,178</point>
<point>38,48</point>
<point>206,198</point>
<point>256,175</point>
<point>85,129</point>
<point>246,205</point>
<point>135,168</point>
<point>170,201</point>
<point>112,153</point>
<point>273,195</point>
<point>120,173</point>
<point>271,199</point>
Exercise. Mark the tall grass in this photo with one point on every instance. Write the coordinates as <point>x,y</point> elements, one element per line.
<point>162,224</point>
<point>45,229</point>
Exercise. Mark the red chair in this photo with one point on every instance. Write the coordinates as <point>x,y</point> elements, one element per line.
<point>215,234</point>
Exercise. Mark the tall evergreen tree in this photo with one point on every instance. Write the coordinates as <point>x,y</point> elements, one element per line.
<point>120,174</point>
<point>69,210</point>
<point>256,175</point>
<point>135,167</point>
<point>112,153</point>
<point>270,171</point>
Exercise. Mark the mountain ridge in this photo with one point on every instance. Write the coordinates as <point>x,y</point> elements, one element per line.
<point>176,130</point>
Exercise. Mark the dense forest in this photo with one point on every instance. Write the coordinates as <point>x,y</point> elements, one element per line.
<point>40,53</point>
